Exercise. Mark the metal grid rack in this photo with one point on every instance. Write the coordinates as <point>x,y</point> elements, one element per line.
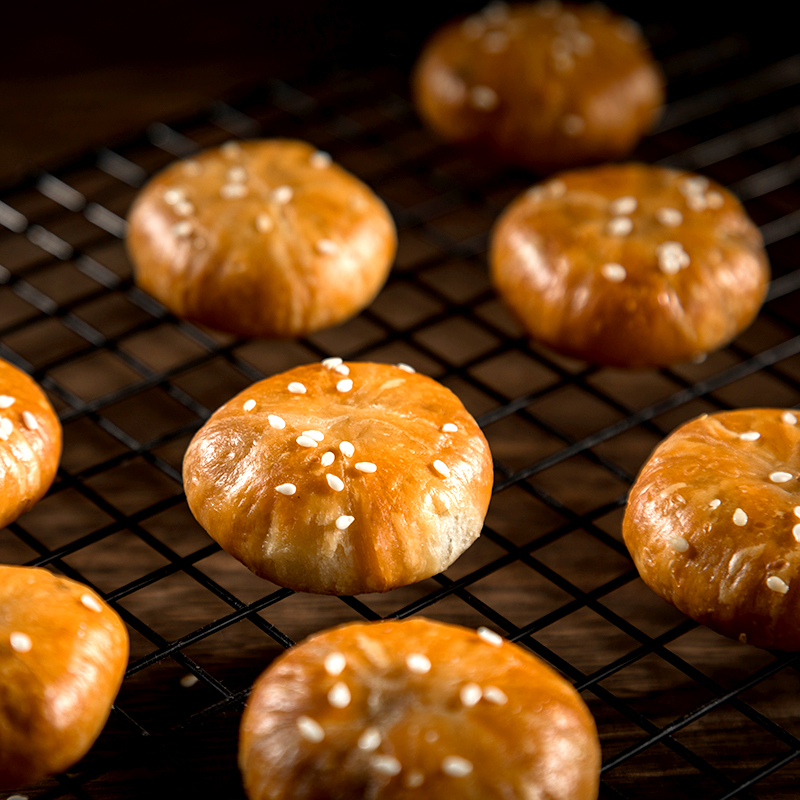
<point>681,712</point>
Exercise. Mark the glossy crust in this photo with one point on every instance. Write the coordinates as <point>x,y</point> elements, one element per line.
<point>542,85</point>
<point>409,521</point>
<point>63,654</point>
<point>680,275</point>
<point>30,443</point>
<point>713,524</point>
<point>420,709</point>
<point>262,238</point>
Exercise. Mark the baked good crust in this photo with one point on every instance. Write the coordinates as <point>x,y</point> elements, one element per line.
<point>409,520</point>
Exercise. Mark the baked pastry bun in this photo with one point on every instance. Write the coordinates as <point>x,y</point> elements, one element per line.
<point>415,709</point>
<point>630,265</point>
<point>713,524</point>
<point>63,653</point>
<point>341,478</point>
<point>30,443</point>
<point>541,85</point>
<point>261,238</point>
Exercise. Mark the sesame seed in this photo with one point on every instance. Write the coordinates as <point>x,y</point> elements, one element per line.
<point>715,200</point>
<point>739,517</point>
<point>310,729</point>
<point>230,190</point>
<point>561,48</point>
<point>789,418</point>
<point>449,427</point>
<point>306,441</point>
<point>441,468</point>
<point>320,159</point>
<point>556,188</point>
<point>6,401</point>
<point>750,436</point>
<point>619,226</point>
<point>697,202</point>
<point>184,208</point>
<point>296,388</point>
<point>339,696</point>
<point>192,167</point>
<point>693,185</point>
<point>173,196</point>
<point>286,488</point>
<point>796,532</point>
<point>470,694</point>
<point>623,205</point>
<point>797,511</point>
<point>715,503</point>
<point>327,247</point>
<point>276,422</point>
<point>473,27</point>
<point>342,369</point>
<point>237,174</point>
<point>249,405</point>
<point>615,273</point>
<point>483,98</point>
<point>30,421</point>
<point>335,664</point>
<point>669,217</point>
<point>347,449</point>
<point>573,125</point>
<point>327,459</point>
<point>344,522</point>
<point>282,195</point>
<point>678,544</point>
<point>495,42</point>
<point>406,368</point>
<point>332,362</point>
<point>369,740</point>
<point>366,466</point>
<point>386,765</point>
<point>582,43</point>
<point>6,428</point>
<point>182,229</point>
<point>494,695</point>
<point>563,61</point>
<point>780,477</point>
<point>777,584</point>
<point>317,436</point>
<point>344,385</point>
<point>187,681</point>
<point>490,636</point>
<point>431,737</point>
<point>20,642</point>
<point>264,223</point>
<point>91,602</point>
<point>672,257</point>
<point>335,483</point>
<point>414,779</point>
<point>456,767</point>
<point>231,149</point>
<point>418,664</point>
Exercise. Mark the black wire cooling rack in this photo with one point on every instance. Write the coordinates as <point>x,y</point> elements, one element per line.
<point>681,712</point>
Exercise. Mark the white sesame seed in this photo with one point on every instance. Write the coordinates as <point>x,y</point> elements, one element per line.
<point>296,388</point>
<point>414,779</point>
<point>470,694</point>
<point>335,664</point>
<point>789,418</point>
<point>344,385</point>
<point>750,436</point>
<point>582,43</point>
<point>286,488</point>
<point>249,405</point>
<point>320,159</point>
<point>715,503</point>
<point>332,362</point>
<point>623,205</point>
<point>678,544</point>
<point>187,681</point>
<point>347,449</point>
<point>456,767</point>
<point>556,188</point>
<point>483,98</point>
<point>615,273</point>
<point>796,532</point>
<point>366,466</point>
<point>276,422</point>
<point>692,184</point>
<point>20,642</point>
<point>264,223</point>
<point>231,149</point>
<point>310,729</point>
<point>669,217</point>
<point>777,584</point>
<point>326,247</point>
<point>91,602</point>
<point>490,636</point>
<point>306,441</point>
<point>573,125</point>
<point>335,483</point>
<point>282,195</point>
<point>619,226</point>
<point>797,511</point>
<point>697,202</point>
<point>495,42</point>
<point>370,740</point>
<point>441,468</point>
<point>494,695</point>
<point>30,421</point>
<point>473,27</point>
<point>173,196</point>
<point>6,428</point>
<point>317,436</point>
<point>739,517</point>
<point>6,401</point>
<point>386,765</point>
<point>184,208</point>
<point>339,696</point>
<point>449,427</point>
<point>182,229</point>
<point>715,200</point>
<point>563,60</point>
<point>342,369</point>
<point>406,368</point>
<point>344,522</point>
<point>672,257</point>
<point>780,477</point>
<point>418,663</point>
<point>231,190</point>
<point>327,459</point>
<point>192,167</point>
<point>431,737</point>
<point>237,174</point>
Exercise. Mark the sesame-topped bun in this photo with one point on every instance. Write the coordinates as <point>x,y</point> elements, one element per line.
<point>63,654</point>
<point>713,524</point>
<point>341,478</point>
<point>261,238</point>
<point>630,265</point>
<point>416,709</point>
<point>541,85</point>
<point>30,443</point>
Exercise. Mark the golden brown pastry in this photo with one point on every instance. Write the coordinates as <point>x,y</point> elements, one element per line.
<point>542,85</point>
<point>63,654</point>
<point>630,265</point>
<point>341,478</point>
<point>713,524</point>
<point>261,238</point>
<point>30,443</point>
<point>416,709</point>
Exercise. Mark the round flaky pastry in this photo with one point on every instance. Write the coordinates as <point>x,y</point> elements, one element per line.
<point>30,443</point>
<point>63,654</point>
<point>630,265</point>
<point>416,709</point>
<point>341,478</point>
<point>713,524</point>
<point>261,238</point>
<point>541,85</point>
